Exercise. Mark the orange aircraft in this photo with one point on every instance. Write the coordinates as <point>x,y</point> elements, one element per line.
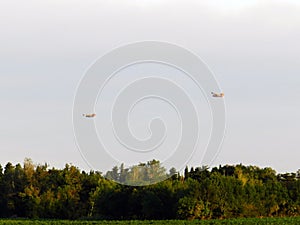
<point>216,95</point>
<point>89,115</point>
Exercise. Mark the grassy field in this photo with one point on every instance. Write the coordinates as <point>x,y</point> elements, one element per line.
<point>252,221</point>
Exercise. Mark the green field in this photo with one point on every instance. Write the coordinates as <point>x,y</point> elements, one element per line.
<point>251,221</point>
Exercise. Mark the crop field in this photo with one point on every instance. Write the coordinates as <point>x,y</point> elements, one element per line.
<point>249,221</point>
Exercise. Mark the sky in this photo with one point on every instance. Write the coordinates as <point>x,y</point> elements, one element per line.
<point>251,46</point>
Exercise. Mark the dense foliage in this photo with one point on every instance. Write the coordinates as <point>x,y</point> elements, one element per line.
<point>36,191</point>
<point>248,221</point>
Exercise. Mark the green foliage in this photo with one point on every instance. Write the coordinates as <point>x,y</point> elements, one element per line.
<point>138,175</point>
<point>249,221</point>
<point>224,192</point>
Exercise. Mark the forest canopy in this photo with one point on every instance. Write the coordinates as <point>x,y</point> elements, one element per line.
<point>229,191</point>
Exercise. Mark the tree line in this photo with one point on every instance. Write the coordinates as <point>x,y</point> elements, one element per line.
<point>37,191</point>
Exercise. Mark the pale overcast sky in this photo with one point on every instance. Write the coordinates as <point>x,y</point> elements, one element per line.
<point>253,47</point>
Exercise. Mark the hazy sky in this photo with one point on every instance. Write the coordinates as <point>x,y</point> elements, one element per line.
<point>252,46</point>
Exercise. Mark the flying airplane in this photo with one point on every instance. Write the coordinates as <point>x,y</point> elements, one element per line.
<point>216,95</point>
<point>89,115</point>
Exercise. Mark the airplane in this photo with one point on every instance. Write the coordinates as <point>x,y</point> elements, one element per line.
<point>89,115</point>
<point>216,95</point>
